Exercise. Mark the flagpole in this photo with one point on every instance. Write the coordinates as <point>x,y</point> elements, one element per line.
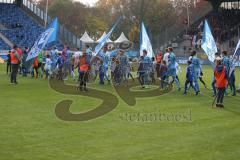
<point>140,24</point>
<point>188,19</point>
<point>46,15</point>
<point>238,32</point>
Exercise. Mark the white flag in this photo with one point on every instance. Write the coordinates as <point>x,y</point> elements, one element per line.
<point>145,43</point>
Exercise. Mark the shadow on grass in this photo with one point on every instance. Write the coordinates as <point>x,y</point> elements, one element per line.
<point>129,96</point>
<point>62,111</point>
<point>109,103</point>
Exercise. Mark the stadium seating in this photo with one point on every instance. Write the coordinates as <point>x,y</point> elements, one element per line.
<point>224,25</point>
<point>3,45</point>
<point>20,28</point>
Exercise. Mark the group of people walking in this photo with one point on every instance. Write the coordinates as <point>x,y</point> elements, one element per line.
<point>119,68</point>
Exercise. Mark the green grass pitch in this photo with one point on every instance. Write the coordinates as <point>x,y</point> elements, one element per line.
<point>30,130</point>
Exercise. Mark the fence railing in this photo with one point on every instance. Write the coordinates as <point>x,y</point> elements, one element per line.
<point>7,1</point>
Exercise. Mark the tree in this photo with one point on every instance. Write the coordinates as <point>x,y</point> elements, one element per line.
<point>75,16</point>
<point>158,16</point>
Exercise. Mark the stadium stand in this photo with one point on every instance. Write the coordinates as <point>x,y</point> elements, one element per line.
<point>19,28</point>
<point>224,20</point>
<point>224,28</point>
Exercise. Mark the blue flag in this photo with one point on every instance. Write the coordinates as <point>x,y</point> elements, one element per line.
<point>40,43</point>
<point>237,50</point>
<point>54,25</point>
<point>236,53</point>
<point>208,43</point>
<point>145,43</point>
<point>104,40</point>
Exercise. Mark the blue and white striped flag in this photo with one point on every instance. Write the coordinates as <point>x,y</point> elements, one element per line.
<point>40,44</point>
<point>208,43</point>
<point>104,40</point>
<point>48,36</point>
<point>145,43</point>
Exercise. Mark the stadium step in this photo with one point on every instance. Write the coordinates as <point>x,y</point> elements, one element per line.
<point>6,40</point>
<point>2,26</point>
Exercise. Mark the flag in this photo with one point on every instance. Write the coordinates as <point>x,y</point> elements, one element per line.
<point>40,43</point>
<point>145,43</point>
<point>237,52</point>
<point>48,36</point>
<point>208,43</point>
<point>105,39</point>
<point>54,25</point>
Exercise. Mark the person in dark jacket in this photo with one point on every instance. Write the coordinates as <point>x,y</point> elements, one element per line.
<point>24,62</point>
<point>101,73</point>
<point>60,63</point>
<point>232,81</point>
<point>163,71</point>
<point>15,61</point>
<point>9,66</point>
<point>141,72</point>
<point>190,78</point>
<point>117,74</point>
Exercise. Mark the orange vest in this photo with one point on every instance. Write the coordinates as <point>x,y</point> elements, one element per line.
<point>14,59</point>
<point>221,81</point>
<point>35,63</point>
<point>83,64</point>
<point>159,58</point>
